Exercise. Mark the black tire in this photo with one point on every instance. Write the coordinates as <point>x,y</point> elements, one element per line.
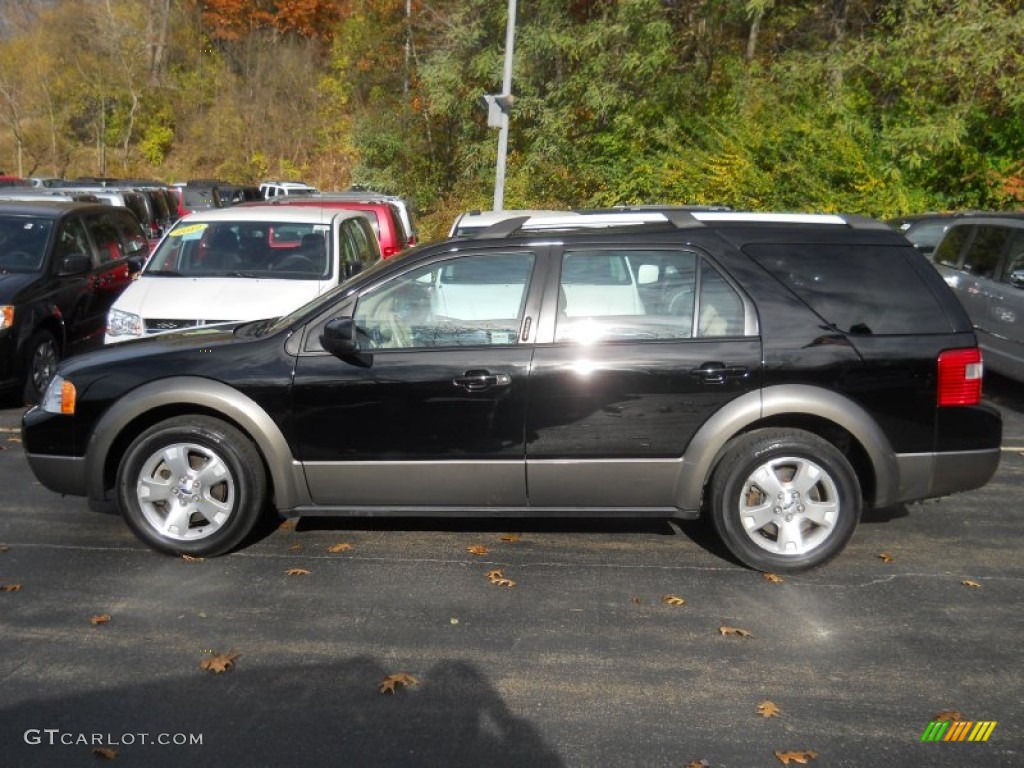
<point>42,354</point>
<point>198,472</point>
<point>784,500</point>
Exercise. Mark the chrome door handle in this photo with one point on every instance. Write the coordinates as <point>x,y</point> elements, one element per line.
<point>478,381</point>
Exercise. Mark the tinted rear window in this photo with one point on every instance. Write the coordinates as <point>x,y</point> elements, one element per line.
<point>864,290</point>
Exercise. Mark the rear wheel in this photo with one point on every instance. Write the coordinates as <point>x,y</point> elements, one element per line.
<point>41,357</point>
<point>192,485</point>
<point>784,500</point>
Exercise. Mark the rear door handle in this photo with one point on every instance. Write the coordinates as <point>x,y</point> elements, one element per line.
<point>717,373</point>
<point>478,381</point>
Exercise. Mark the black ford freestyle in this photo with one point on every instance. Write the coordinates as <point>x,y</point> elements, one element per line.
<point>775,372</point>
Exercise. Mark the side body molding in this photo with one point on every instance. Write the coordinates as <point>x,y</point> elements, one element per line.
<point>286,473</point>
<point>781,400</point>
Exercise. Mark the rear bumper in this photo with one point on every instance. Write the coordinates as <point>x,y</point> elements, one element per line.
<point>928,475</point>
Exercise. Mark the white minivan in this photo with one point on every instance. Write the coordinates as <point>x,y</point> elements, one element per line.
<point>230,265</point>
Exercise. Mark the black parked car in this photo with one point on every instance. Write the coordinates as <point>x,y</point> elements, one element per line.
<point>62,264</point>
<point>777,372</point>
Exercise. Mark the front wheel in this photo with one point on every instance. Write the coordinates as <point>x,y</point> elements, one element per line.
<point>192,485</point>
<point>784,500</point>
<point>41,357</point>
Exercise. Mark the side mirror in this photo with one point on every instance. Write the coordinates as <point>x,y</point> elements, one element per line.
<point>75,264</point>
<point>339,338</point>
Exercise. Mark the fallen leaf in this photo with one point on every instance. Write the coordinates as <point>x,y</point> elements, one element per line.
<point>797,757</point>
<point>13,439</point>
<point>885,557</point>
<point>774,578</point>
<point>503,582</point>
<point>949,716</point>
<point>495,574</point>
<point>697,764</point>
<point>637,601</point>
<point>342,547</point>
<point>510,537</point>
<point>387,685</point>
<point>101,618</point>
<point>191,559</point>
<point>768,708</point>
<point>219,663</point>
<point>673,600</point>
<point>971,583</point>
<point>298,572</point>
<point>295,547</point>
<point>105,752</point>
<point>4,548</point>
<point>287,525</point>
<point>735,631</point>
<point>10,588</point>
<point>477,549</point>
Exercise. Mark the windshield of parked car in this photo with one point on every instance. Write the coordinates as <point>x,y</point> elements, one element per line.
<point>23,243</point>
<point>253,249</point>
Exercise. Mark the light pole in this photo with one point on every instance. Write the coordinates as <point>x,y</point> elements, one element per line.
<point>504,101</point>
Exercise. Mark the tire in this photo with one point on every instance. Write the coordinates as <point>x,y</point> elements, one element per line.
<point>41,357</point>
<point>192,485</point>
<point>784,500</point>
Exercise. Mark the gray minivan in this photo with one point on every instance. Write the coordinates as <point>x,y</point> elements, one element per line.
<point>981,256</point>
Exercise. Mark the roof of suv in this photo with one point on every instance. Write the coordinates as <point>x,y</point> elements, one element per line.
<point>271,212</point>
<point>53,209</point>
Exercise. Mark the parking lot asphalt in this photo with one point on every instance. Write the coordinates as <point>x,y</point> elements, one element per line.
<point>584,661</point>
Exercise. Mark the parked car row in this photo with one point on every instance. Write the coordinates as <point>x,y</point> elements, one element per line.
<point>777,373</point>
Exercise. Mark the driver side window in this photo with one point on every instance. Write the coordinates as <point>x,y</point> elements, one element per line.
<point>464,301</point>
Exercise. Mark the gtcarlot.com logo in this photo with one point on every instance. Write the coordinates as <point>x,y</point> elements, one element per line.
<point>57,737</point>
<point>958,730</point>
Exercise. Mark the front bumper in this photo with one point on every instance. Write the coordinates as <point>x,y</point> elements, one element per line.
<point>63,474</point>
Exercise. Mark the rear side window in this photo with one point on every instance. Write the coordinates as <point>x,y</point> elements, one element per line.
<point>861,290</point>
<point>949,248</point>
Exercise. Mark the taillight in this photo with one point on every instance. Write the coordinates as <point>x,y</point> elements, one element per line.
<point>960,372</point>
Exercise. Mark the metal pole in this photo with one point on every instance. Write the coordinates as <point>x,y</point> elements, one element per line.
<point>506,90</point>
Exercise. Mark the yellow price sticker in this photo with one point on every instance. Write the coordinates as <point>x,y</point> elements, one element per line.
<point>189,229</point>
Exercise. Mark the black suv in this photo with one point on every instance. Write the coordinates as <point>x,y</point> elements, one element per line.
<point>62,264</point>
<point>776,371</point>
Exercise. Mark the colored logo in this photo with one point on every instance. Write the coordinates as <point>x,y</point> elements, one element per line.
<point>958,730</point>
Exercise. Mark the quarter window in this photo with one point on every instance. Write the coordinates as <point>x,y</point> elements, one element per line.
<point>465,301</point>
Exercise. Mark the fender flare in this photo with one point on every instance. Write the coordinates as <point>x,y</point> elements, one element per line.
<point>704,449</point>
<point>286,473</point>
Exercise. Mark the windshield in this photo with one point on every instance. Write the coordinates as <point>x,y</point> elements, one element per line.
<point>23,243</point>
<point>255,249</point>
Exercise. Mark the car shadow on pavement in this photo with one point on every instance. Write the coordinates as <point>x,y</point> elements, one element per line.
<point>256,713</point>
<point>1003,391</point>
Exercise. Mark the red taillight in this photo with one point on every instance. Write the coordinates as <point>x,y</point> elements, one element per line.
<point>960,372</point>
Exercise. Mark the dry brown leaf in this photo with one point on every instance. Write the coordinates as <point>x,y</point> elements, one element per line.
<point>774,578</point>
<point>497,578</point>
<point>885,557</point>
<point>387,685</point>
<point>735,631</point>
<point>295,547</point>
<point>949,716</point>
<point>219,662</point>
<point>13,439</point>
<point>637,601</point>
<point>796,757</point>
<point>768,708</point>
<point>10,588</point>
<point>673,600</point>
<point>4,548</point>
<point>697,764</point>
<point>341,547</point>
<point>298,572</point>
<point>971,583</point>
<point>477,549</point>
<point>100,618</point>
<point>495,574</point>
<point>511,538</point>
<point>287,525</point>
<point>503,583</point>
<point>192,559</point>
<point>105,752</point>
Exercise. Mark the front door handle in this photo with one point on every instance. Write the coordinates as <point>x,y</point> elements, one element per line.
<point>478,381</point>
<point>717,373</point>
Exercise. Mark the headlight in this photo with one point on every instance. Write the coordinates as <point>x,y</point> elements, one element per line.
<point>59,397</point>
<point>121,323</point>
<point>6,316</point>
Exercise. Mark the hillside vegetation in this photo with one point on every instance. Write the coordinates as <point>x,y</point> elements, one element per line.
<point>879,107</point>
